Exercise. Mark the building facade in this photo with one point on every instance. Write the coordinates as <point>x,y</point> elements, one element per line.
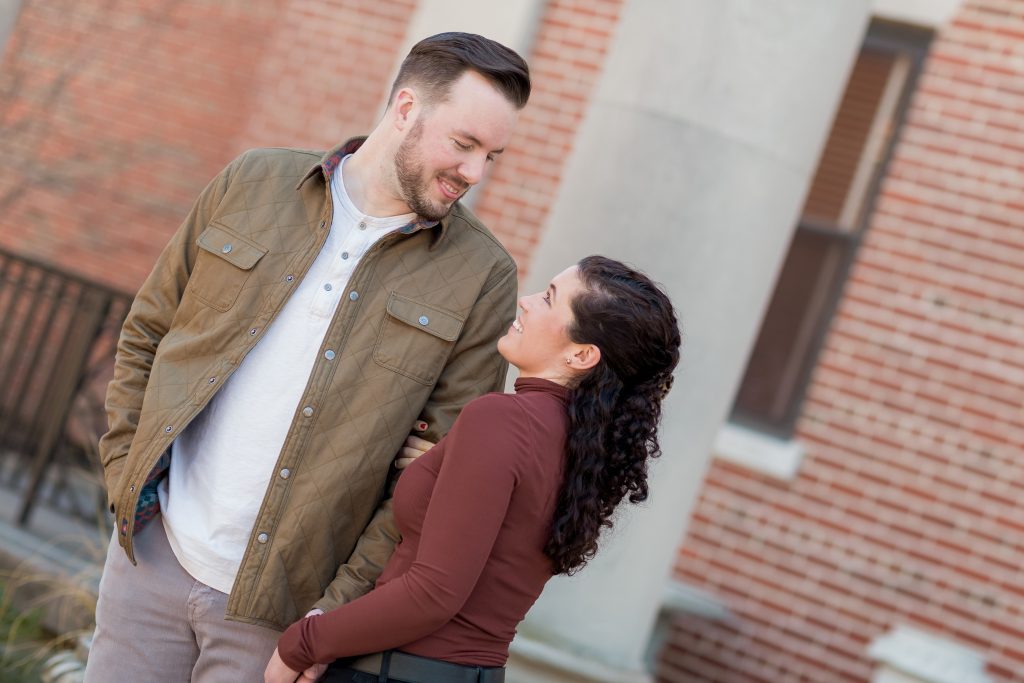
<point>832,192</point>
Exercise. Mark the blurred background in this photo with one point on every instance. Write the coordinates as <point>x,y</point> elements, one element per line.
<point>833,192</point>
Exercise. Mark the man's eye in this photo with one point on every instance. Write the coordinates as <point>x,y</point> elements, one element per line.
<point>464,148</point>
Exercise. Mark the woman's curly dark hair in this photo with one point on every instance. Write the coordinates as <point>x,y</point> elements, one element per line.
<point>615,408</point>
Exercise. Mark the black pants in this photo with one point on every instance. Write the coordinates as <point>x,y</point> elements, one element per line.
<point>339,673</point>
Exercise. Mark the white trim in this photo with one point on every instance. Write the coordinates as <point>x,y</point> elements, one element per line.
<point>682,598</point>
<point>926,658</point>
<point>932,14</point>
<point>534,661</point>
<point>759,451</point>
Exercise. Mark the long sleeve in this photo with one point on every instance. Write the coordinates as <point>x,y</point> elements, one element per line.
<point>148,321</point>
<point>473,369</point>
<point>467,508</point>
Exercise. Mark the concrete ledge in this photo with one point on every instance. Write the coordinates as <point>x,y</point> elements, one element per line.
<point>758,451</point>
<point>913,656</point>
<point>532,661</point>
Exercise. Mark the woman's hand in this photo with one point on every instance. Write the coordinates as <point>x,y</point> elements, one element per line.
<point>278,672</point>
<point>313,673</point>
<point>413,448</point>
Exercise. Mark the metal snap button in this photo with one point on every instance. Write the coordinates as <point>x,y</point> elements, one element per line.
<point>226,249</point>
<point>263,538</point>
<point>424,320</point>
<point>353,295</point>
<point>308,411</point>
<point>329,354</point>
<point>285,473</point>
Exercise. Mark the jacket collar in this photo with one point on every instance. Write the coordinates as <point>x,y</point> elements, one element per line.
<point>329,163</point>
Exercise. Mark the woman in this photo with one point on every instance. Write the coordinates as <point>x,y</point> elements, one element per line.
<point>518,490</point>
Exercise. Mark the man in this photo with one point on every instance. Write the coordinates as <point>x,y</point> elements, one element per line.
<point>310,313</point>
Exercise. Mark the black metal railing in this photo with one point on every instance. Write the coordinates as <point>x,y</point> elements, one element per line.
<point>58,333</point>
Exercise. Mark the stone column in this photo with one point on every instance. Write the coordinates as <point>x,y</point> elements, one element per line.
<point>8,14</point>
<point>512,23</point>
<point>692,162</point>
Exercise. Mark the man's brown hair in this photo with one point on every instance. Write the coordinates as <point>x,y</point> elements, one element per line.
<point>435,63</point>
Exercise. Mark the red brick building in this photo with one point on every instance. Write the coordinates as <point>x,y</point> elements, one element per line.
<point>889,374</point>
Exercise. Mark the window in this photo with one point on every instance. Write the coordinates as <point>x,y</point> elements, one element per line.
<point>831,227</point>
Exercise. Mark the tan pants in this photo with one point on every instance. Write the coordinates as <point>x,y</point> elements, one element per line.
<point>156,624</point>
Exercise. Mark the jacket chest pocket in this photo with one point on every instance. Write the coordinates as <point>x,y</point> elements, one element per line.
<point>224,263</point>
<point>416,338</point>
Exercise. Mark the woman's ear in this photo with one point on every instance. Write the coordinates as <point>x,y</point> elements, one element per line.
<point>585,357</point>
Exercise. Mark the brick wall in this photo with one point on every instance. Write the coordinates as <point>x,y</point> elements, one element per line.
<point>113,116</point>
<point>565,64</point>
<point>907,508</point>
<point>326,73</point>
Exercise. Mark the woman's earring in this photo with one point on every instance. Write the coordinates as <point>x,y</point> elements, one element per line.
<point>568,361</point>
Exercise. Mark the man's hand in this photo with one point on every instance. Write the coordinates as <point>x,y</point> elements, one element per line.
<point>278,672</point>
<point>414,447</point>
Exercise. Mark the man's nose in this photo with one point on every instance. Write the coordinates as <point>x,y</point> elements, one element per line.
<point>473,170</point>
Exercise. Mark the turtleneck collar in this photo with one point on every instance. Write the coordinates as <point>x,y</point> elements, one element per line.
<point>526,385</point>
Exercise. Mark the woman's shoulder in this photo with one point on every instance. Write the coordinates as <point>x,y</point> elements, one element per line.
<point>495,405</point>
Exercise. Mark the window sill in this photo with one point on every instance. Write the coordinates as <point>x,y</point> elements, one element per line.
<point>758,451</point>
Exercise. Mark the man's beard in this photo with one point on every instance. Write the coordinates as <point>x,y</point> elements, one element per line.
<point>409,170</point>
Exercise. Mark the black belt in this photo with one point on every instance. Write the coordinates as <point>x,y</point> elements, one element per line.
<point>417,669</point>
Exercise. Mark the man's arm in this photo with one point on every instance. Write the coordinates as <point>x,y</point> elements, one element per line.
<point>147,323</point>
<point>473,369</point>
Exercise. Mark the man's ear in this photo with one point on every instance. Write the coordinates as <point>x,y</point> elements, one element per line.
<point>404,108</point>
<point>585,357</point>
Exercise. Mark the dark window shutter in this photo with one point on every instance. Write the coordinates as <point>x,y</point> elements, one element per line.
<point>834,216</point>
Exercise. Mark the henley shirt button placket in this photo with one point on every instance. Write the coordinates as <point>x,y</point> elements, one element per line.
<point>362,225</point>
<point>327,286</point>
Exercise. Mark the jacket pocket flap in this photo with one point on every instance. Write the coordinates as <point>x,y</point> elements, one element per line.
<point>230,246</point>
<point>442,324</point>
